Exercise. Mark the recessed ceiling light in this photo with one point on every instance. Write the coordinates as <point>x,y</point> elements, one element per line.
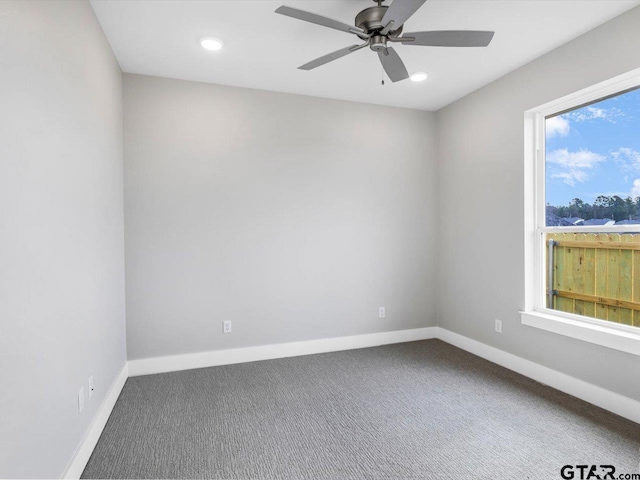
<point>210,43</point>
<point>419,76</point>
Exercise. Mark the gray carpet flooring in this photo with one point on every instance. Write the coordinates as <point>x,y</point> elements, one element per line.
<point>413,410</point>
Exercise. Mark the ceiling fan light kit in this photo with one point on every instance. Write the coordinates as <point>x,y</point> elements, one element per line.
<point>380,25</point>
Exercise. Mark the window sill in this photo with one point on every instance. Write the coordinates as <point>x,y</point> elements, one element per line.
<point>600,335</point>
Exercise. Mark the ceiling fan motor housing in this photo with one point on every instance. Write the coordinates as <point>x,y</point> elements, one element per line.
<point>370,20</point>
<point>378,43</point>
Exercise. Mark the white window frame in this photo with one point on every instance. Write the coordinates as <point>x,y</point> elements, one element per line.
<point>535,313</point>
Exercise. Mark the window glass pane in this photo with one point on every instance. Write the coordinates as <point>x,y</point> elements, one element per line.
<point>592,164</point>
<point>592,274</point>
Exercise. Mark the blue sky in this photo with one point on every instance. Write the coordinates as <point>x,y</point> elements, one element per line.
<point>594,150</point>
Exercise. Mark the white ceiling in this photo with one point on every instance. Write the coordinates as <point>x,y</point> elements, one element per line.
<point>263,49</point>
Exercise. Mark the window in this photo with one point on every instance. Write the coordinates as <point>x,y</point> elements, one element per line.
<point>583,214</point>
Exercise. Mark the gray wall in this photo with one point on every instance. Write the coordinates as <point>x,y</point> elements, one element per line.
<point>480,224</point>
<point>294,217</point>
<point>62,314</point>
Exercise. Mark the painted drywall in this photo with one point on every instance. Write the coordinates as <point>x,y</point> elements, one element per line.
<point>62,310</point>
<point>481,208</point>
<point>294,217</point>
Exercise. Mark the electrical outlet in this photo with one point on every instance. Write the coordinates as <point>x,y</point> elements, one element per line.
<point>91,386</point>
<point>81,400</point>
<point>381,312</point>
<point>226,326</point>
<point>499,326</point>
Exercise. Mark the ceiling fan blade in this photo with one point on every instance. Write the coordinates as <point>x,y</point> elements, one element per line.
<point>393,65</point>
<point>400,11</point>
<point>330,57</point>
<point>317,19</point>
<point>449,38</point>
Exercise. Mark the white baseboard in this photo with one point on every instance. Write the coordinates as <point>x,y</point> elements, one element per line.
<point>189,361</point>
<point>624,406</point>
<point>82,455</point>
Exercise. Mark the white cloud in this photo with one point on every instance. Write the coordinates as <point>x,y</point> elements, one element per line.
<point>595,113</point>
<point>627,155</point>
<point>557,127</point>
<point>635,190</point>
<point>572,167</point>
<point>560,126</point>
<point>579,159</point>
<point>571,177</point>
<point>627,160</point>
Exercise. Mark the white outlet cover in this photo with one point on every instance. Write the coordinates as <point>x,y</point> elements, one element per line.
<point>226,326</point>
<point>382,312</point>
<point>499,326</point>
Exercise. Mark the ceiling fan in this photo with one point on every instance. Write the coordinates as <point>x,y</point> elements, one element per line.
<point>380,25</point>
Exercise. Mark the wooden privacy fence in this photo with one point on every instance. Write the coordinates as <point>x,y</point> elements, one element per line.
<point>597,275</point>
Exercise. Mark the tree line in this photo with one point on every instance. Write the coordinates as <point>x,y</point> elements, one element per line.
<point>614,207</point>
